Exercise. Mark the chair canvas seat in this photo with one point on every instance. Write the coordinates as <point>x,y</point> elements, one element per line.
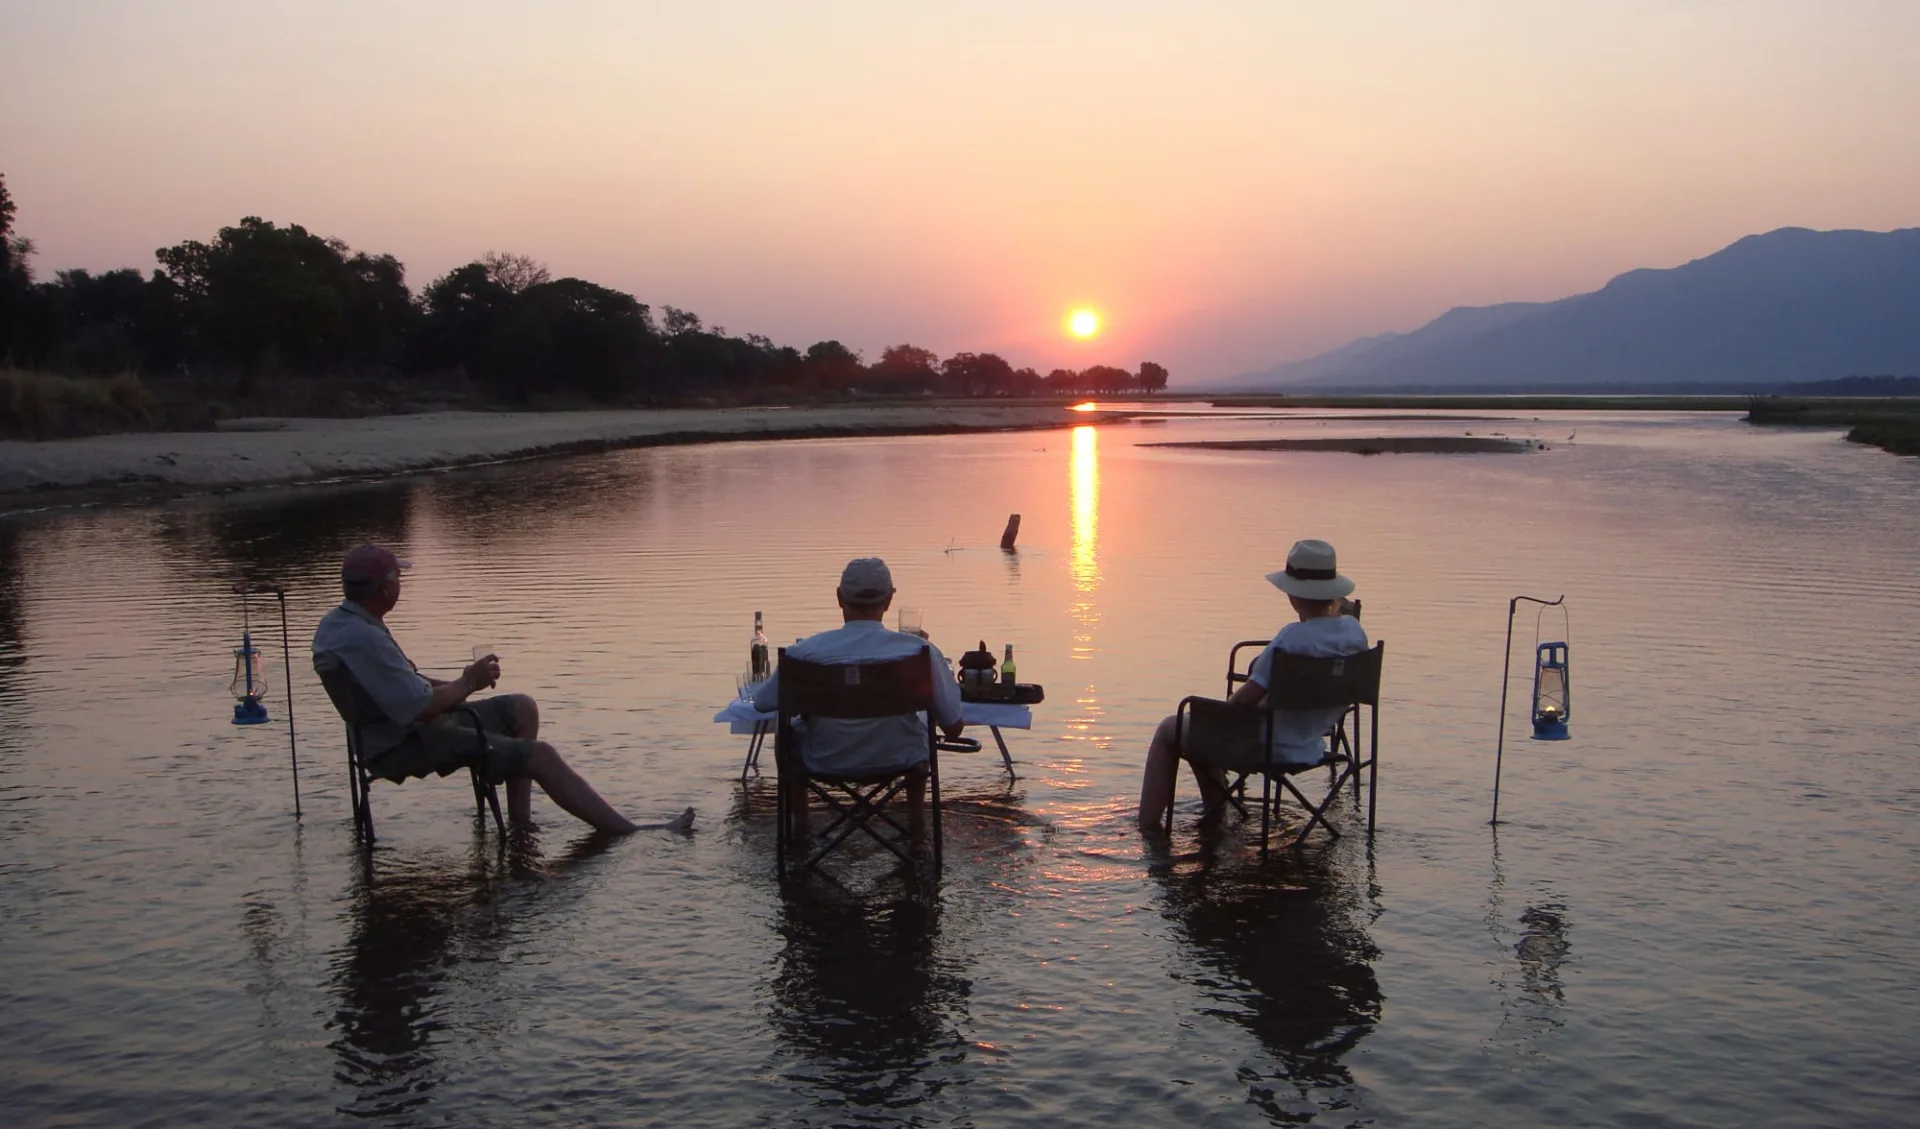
<point>858,800</point>
<point>1237,739</point>
<point>356,709</point>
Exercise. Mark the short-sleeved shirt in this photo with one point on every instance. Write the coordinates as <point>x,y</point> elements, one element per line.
<point>1299,736</point>
<point>352,636</point>
<point>865,744</point>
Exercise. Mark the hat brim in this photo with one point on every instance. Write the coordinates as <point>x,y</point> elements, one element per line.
<point>1311,589</point>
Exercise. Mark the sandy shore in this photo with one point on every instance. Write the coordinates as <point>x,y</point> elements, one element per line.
<point>266,452</point>
<point>1379,445</point>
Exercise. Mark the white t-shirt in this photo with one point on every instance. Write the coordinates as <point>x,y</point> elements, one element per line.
<point>1299,736</point>
<point>865,744</point>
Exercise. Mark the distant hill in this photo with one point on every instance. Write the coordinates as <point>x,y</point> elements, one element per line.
<point>1789,306</point>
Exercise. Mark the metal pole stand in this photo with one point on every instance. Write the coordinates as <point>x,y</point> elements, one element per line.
<point>1506,667</point>
<point>286,654</point>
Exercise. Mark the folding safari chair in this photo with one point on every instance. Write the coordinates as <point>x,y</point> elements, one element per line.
<point>1339,740</point>
<point>858,801</point>
<point>358,709</point>
<point>1239,739</point>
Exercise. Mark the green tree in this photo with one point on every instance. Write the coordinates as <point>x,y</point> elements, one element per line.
<point>16,273</point>
<point>1153,377</point>
<point>904,369</point>
<point>832,365</point>
<point>262,296</point>
<point>570,335</point>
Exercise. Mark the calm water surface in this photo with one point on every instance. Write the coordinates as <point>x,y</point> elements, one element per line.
<point>1697,912</point>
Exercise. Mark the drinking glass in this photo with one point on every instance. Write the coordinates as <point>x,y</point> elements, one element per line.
<point>912,622</point>
<point>481,651</point>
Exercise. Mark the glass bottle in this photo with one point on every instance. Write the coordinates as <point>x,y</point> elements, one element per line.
<point>758,653</point>
<point>1006,669</point>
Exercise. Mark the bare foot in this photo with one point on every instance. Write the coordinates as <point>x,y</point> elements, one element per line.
<point>681,823</point>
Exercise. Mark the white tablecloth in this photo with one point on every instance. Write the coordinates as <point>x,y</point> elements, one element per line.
<point>741,715</point>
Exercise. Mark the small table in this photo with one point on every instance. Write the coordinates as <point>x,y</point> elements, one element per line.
<point>740,715</point>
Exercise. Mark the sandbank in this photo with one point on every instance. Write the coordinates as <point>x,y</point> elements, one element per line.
<point>269,452</point>
<point>1376,445</point>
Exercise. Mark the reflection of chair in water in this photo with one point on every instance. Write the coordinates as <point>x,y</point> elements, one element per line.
<point>854,692</point>
<point>1286,955</point>
<point>357,709</point>
<point>862,996</point>
<point>1214,734</point>
<point>410,928</point>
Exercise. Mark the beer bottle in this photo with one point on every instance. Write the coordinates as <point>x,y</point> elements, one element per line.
<point>757,654</point>
<point>1006,669</point>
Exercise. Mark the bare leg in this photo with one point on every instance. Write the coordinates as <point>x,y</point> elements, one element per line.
<point>917,802</point>
<point>526,723</point>
<point>797,808</point>
<point>1156,780</point>
<point>574,795</point>
<point>1163,766</point>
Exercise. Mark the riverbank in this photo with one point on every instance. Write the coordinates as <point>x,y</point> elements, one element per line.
<point>243,454</point>
<point>1374,445</point>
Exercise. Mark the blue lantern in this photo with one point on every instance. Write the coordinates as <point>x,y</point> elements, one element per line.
<point>249,683</point>
<point>1551,694</point>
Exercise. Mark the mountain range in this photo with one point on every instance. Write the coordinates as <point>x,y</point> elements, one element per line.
<point>1791,305</point>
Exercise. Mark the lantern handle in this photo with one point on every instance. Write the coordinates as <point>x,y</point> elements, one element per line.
<point>1506,676</point>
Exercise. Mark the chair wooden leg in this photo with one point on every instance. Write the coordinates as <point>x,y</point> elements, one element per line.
<point>933,797</point>
<point>1266,810</point>
<point>1373,764</point>
<point>366,808</point>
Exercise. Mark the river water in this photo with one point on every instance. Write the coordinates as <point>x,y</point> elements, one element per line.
<point>1698,911</point>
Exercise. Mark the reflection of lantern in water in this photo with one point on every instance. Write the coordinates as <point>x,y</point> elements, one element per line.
<point>1551,699</point>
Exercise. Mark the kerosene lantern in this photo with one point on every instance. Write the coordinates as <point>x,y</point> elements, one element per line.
<point>1551,694</point>
<point>249,683</point>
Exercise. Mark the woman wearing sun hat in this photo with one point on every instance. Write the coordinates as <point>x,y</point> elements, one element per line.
<point>1318,592</point>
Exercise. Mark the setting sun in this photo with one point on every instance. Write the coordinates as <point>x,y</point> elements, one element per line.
<point>1083,323</point>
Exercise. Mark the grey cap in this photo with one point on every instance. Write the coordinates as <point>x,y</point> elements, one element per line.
<point>866,580</point>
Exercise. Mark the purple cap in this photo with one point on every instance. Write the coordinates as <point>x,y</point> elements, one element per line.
<point>370,564</point>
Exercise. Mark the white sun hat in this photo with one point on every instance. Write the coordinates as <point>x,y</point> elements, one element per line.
<point>1310,573</point>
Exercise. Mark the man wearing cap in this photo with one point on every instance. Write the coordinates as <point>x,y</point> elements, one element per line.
<point>1317,592</point>
<point>878,744</point>
<point>418,736</point>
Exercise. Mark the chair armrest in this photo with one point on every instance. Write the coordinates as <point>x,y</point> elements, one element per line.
<point>1235,676</point>
<point>479,752</point>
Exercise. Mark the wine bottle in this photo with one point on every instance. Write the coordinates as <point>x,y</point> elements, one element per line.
<point>1006,669</point>
<point>758,652</point>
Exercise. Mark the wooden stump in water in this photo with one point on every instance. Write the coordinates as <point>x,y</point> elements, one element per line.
<point>1012,531</point>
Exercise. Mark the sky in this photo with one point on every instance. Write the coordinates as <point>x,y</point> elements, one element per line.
<point>1232,184</point>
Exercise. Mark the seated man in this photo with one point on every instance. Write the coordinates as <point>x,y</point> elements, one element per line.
<point>418,735</point>
<point>853,746</point>
<point>1317,592</point>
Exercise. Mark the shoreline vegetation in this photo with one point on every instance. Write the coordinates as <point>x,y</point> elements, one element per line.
<point>265,319</point>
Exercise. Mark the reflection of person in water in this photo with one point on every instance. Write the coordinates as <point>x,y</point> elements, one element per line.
<point>1286,954</point>
<point>414,925</point>
<point>862,994</point>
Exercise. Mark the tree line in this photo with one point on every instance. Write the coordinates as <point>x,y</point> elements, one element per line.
<point>260,300</point>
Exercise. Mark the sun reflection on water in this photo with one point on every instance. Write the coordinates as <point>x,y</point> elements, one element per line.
<point>1084,486</point>
<point>1083,567</point>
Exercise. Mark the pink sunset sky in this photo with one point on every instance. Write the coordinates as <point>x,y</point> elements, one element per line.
<point>1232,184</point>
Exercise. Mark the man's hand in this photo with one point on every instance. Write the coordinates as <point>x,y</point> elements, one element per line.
<point>954,730</point>
<point>482,674</point>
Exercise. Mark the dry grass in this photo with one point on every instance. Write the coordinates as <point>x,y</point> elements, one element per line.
<point>38,405</point>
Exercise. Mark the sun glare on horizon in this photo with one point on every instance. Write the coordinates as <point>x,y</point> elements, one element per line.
<point>1083,323</point>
